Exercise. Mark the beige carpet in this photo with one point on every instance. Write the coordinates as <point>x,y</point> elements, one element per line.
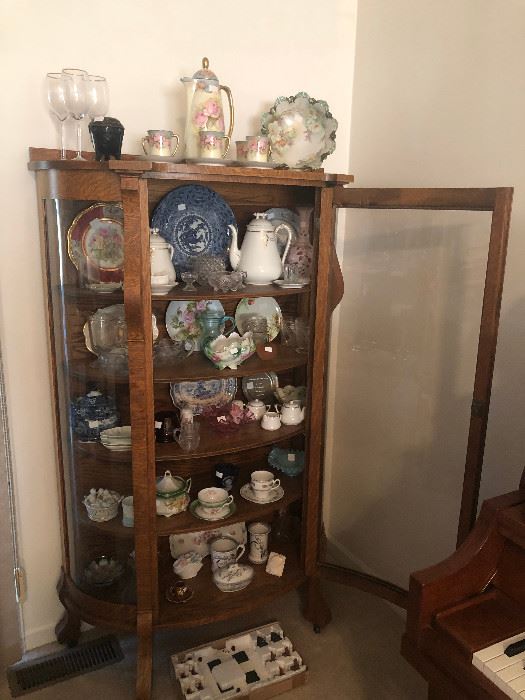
<point>356,656</point>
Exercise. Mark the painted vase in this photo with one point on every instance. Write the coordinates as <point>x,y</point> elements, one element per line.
<point>301,251</point>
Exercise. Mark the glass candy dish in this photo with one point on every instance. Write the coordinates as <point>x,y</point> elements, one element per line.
<point>290,462</point>
<point>103,571</point>
<point>228,419</point>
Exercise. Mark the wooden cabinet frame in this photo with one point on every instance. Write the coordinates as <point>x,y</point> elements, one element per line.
<point>137,184</point>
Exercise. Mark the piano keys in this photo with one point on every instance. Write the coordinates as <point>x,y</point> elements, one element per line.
<point>504,664</point>
<point>466,616</point>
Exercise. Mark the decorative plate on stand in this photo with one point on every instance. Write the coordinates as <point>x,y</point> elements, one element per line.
<point>301,131</point>
<point>195,220</point>
<point>95,239</point>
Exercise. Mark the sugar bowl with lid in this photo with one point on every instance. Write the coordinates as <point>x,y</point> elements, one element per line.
<point>172,494</point>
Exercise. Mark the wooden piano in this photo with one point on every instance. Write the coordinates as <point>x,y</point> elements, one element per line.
<point>466,615</point>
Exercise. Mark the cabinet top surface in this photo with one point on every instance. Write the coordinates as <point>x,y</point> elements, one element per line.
<point>48,159</point>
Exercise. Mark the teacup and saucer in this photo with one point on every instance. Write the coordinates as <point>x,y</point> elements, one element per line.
<point>212,503</point>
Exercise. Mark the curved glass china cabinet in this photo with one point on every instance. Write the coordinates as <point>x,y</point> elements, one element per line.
<point>116,575</point>
<point>116,571</point>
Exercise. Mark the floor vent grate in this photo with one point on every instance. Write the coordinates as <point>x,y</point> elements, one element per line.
<point>27,676</point>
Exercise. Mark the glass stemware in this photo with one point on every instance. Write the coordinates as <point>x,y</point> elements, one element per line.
<point>56,97</point>
<point>76,100</point>
<point>98,96</point>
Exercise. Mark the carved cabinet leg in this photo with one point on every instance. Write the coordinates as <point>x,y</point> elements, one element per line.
<point>67,630</point>
<point>316,609</point>
<point>144,654</point>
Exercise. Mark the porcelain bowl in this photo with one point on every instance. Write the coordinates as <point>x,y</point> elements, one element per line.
<point>229,352</point>
<point>233,578</point>
<point>187,565</point>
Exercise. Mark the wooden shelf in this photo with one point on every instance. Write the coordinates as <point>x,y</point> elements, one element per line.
<point>186,522</point>
<point>246,510</point>
<point>197,366</point>
<point>251,290</point>
<point>248,437</point>
<point>74,293</point>
<point>210,604</point>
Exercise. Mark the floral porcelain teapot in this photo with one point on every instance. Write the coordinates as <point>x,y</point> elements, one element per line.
<point>259,255</point>
<point>204,107</point>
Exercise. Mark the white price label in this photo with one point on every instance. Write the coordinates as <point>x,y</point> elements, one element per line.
<point>181,206</point>
<point>268,349</point>
<point>249,385</point>
<point>291,458</point>
<point>93,423</point>
<point>158,424</point>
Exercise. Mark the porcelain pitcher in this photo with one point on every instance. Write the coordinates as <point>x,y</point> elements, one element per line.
<point>292,413</point>
<point>161,253</point>
<point>259,256</point>
<point>204,108</point>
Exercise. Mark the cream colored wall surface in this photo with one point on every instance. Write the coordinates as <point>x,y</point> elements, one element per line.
<point>260,50</point>
<point>439,100</point>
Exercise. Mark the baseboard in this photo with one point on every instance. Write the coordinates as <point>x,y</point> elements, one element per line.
<point>45,635</point>
<point>339,554</point>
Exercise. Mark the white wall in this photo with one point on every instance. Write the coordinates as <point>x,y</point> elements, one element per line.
<point>260,50</point>
<point>439,100</point>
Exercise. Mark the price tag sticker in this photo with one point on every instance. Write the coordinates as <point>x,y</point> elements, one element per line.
<point>249,385</point>
<point>268,349</point>
<point>291,457</point>
<point>93,423</point>
<point>158,424</point>
<point>181,206</point>
<point>219,475</point>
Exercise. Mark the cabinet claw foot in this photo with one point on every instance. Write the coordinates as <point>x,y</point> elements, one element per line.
<point>315,608</point>
<point>67,630</point>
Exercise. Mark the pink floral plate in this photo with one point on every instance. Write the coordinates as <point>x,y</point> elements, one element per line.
<point>95,240</point>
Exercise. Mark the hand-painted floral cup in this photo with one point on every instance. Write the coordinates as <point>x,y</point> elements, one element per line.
<point>241,147</point>
<point>160,143</point>
<point>257,149</point>
<point>213,144</point>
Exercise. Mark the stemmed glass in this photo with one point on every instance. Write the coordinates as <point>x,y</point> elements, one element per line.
<point>56,97</point>
<point>98,96</point>
<point>76,100</point>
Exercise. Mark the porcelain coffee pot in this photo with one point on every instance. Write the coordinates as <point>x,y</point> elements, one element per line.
<point>204,110</point>
<point>259,255</point>
<point>292,413</point>
<point>161,253</point>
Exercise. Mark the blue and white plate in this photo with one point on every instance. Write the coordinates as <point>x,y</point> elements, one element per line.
<point>203,394</point>
<point>195,220</point>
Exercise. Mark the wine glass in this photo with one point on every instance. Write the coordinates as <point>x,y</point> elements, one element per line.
<point>98,96</point>
<point>56,97</point>
<point>76,100</point>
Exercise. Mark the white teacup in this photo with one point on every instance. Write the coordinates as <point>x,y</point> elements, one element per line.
<point>214,499</point>
<point>262,483</point>
<point>271,421</point>
<point>225,551</point>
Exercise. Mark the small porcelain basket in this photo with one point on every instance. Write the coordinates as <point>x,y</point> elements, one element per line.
<point>101,511</point>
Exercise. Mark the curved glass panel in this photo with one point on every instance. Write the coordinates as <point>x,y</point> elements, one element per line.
<point>89,351</point>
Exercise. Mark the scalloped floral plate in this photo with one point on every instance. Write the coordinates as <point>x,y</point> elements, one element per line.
<point>301,131</point>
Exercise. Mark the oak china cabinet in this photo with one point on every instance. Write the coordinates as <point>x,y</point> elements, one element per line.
<point>136,599</point>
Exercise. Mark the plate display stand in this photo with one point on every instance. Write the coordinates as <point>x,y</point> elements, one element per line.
<point>136,598</point>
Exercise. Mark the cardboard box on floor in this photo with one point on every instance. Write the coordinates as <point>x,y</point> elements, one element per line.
<point>276,687</point>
